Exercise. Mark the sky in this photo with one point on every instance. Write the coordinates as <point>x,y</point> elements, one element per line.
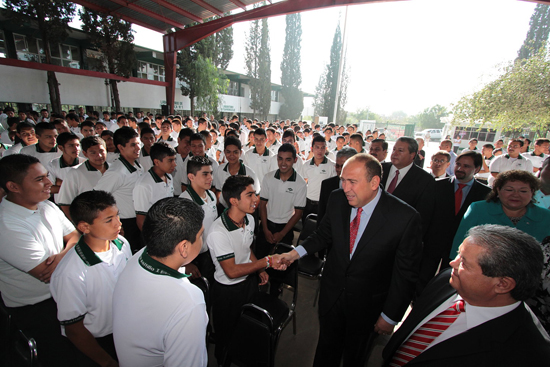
<point>401,56</point>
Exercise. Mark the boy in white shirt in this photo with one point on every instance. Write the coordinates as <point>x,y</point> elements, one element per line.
<point>58,168</point>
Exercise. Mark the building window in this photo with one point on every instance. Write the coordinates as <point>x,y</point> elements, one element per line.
<point>233,89</point>
<point>3,50</point>
<point>274,96</point>
<point>33,50</point>
<point>147,70</point>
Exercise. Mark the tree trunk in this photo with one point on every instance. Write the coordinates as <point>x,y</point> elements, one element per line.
<point>114,90</point>
<point>53,88</point>
<point>192,101</point>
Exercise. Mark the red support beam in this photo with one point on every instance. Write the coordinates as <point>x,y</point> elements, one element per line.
<point>208,7</point>
<point>239,4</point>
<point>148,13</point>
<point>179,10</point>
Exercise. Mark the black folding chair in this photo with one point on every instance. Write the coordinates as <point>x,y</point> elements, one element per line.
<point>311,265</point>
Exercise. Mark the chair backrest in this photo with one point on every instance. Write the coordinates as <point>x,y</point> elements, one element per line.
<point>308,227</point>
<point>288,276</point>
<point>204,285</point>
<point>25,353</point>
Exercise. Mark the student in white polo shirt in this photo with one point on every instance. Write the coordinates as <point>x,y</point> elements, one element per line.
<point>166,134</point>
<point>199,173</point>
<point>159,317</point>
<point>108,137</point>
<point>283,198</point>
<point>120,180</point>
<point>58,168</point>
<point>156,183</point>
<point>86,176</point>
<point>538,155</point>
<point>46,148</point>
<point>510,161</point>
<point>259,157</point>
<point>147,136</point>
<point>84,281</point>
<point>35,237</point>
<point>232,152</point>
<point>237,269</point>
<point>183,150</point>
<point>314,171</point>
<point>197,144</point>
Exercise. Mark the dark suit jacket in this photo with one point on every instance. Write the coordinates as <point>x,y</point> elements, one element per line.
<point>441,232</point>
<point>509,340</point>
<point>327,186</point>
<point>416,189</point>
<point>381,275</point>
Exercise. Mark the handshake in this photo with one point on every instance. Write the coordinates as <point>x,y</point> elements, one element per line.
<point>282,261</point>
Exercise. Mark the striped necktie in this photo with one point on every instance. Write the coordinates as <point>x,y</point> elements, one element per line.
<point>426,334</point>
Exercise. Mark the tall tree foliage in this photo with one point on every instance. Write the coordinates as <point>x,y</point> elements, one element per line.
<point>539,29</point>
<point>198,71</point>
<point>113,37</point>
<point>291,74</point>
<point>258,66</point>
<point>430,118</point>
<point>519,98</point>
<point>53,18</point>
<point>325,93</point>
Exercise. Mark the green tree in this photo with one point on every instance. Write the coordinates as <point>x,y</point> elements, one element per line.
<point>291,75</point>
<point>326,90</point>
<point>113,37</point>
<point>53,18</point>
<point>518,99</point>
<point>258,66</point>
<point>430,117</point>
<point>539,29</point>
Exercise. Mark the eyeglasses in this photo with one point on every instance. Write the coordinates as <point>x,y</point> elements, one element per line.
<point>439,160</point>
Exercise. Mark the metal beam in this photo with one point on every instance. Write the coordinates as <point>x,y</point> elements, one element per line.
<point>148,13</point>
<point>239,4</point>
<point>179,10</point>
<point>208,7</point>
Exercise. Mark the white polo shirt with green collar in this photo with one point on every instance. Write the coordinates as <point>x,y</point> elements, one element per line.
<point>120,180</point>
<point>183,169</point>
<point>83,284</point>
<point>208,205</point>
<point>536,159</point>
<point>159,317</point>
<point>261,164</point>
<point>145,160</point>
<point>315,175</point>
<point>504,163</point>
<point>283,197</point>
<point>149,189</point>
<point>58,169</point>
<point>226,240</point>
<point>222,173</point>
<point>42,155</point>
<point>79,180</point>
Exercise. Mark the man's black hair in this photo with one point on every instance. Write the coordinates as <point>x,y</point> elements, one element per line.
<point>146,130</point>
<point>87,206</point>
<point>40,127</point>
<point>123,135</point>
<point>234,187</point>
<point>161,150</point>
<point>195,164</point>
<point>64,138</point>
<point>288,148</point>
<point>184,133</point>
<point>197,136</point>
<point>231,140</point>
<point>92,141</point>
<point>14,168</point>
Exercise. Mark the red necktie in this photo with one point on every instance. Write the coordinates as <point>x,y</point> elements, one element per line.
<point>426,334</point>
<point>393,182</point>
<point>458,198</point>
<point>353,228</point>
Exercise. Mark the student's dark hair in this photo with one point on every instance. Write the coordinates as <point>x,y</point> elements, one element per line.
<point>289,133</point>
<point>318,139</point>
<point>234,186</point>
<point>161,150</point>
<point>87,206</point>
<point>107,132</point>
<point>123,116</point>
<point>186,132</point>
<point>143,125</point>
<point>101,123</point>
<point>40,127</point>
<point>357,137</point>
<point>476,157</point>
<point>88,123</point>
<point>92,141</point>
<point>64,138</point>
<point>260,131</point>
<point>14,168</point>
<point>169,222</point>
<point>341,137</point>
<point>287,148</point>
<point>198,136</point>
<point>167,122</point>
<point>72,116</point>
<point>231,140</point>
<point>489,145</point>
<point>13,121</point>
<point>205,134</point>
<point>195,164</point>
<point>270,129</point>
<point>123,135</point>
<point>147,130</point>
<point>541,141</point>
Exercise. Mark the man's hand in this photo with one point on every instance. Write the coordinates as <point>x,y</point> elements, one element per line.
<point>51,263</point>
<point>382,327</point>
<point>193,270</point>
<point>277,263</point>
<point>277,237</point>
<point>264,277</point>
<point>289,257</point>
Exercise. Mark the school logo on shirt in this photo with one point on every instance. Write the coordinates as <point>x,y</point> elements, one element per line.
<point>289,190</point>
<point>264,160</point>
<point>323,171</point>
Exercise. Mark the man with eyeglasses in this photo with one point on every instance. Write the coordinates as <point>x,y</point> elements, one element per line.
<point>440,161</point>
<point>512,160</point>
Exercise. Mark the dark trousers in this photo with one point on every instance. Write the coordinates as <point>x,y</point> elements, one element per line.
<point>344,335</point>
<point>312,207</point>
<point>227,301</point>
<point>263,246</point>
<point>106,342</point>
<point>205,265</point>
<point>39,321</point>
<point>132,234</point>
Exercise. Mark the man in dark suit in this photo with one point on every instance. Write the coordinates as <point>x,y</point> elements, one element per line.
<point>371,270</point>
<point>410,183</point>
<point>448,213</point>
<point>333,183</point>
<point>498,267</point>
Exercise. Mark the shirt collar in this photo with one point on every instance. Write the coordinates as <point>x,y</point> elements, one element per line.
<point>325,160</point>
<point>40,150</point>
<point>92,168</point>
<point>228,223</point>
<point>507,156</point>
<point>196,198</point>
<point>266,152</point>
<point>469,183</point>
<point>242,169</point>
<point>156,177</point>
<point>144,153</point>
<point>368,207</point>
<point>62,163</point>
<point>158,268</point>
<point>292,177</point>
<point>19,209</point>
<point>127,164</point>
<point>88,256</point>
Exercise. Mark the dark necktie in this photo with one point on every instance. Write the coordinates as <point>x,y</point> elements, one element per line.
<point>393,182</point>
<point>353,228</point>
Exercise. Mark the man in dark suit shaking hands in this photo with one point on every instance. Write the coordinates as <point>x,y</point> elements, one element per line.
<point>372,267</point>
<point>474,314</point>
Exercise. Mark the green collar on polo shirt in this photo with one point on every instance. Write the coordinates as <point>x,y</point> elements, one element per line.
<point>157,268</point>
<point>537,155</point>
<point>92,168</point>
<point>242,169</point>
<point>62,163</point>
<point>156,177</point>
<point>127,164</point>
<point>196,198</point>
<point>325,160</point>
<point>292,177</point>
<point>519,156</point>
<point>266,152</point>
<point>87,255</point>
<point>228,223</point>
<point>40,150</point>
<point>169,139</point>
<point>144,153</point>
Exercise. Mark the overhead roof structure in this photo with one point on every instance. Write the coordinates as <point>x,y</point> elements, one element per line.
<point>174,17</point>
